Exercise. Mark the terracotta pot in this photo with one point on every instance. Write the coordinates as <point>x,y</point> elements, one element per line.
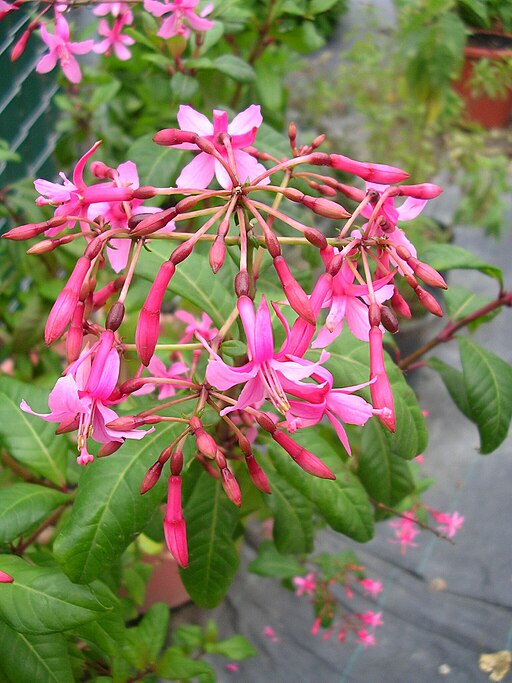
<point>488,112</point>
<point>165,584</point>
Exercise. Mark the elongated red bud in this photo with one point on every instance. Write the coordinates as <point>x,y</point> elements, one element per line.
<point>316,238</point>
<point>75,334</point>
<point>389,319</point>
<point>115,317</point>
<point>5,578</point>
<point>374,315</point>
<point>421,191</point>
<point>101,170</point>
<point>182,252</point>
<point>30,230</point>
<point>20,45</point>
<point>292,134</point>
<point>109,448</point>
<point>335,264</point>
<point>128,422</point>
<point>177,462</point>
<point>174,136</point>
<point>325,207</point>
<point>148,326</point>
<point>144,192</point>
<point>68,426</point>
<point>65,304</point>
<point>231,486</point>
<point>429,275</point>
<point>151,477</point>
<point>273,246</point>
<point>265,423</point>
<point>153,222</point>
<point>45,246</point>
<point>297,297</point>
<point>319,159</point>
<point>380,388</point>
<point>131,385</point>
<point>242,284</point>
<point>217,253</point>
<point>304,459</point>
<point>174,524</point>
<point>428,301</point>
<point>258,476</point>
<point>400,305</point>
<point>100,298</point>
<point>205,443</point>
<point>375,173</point>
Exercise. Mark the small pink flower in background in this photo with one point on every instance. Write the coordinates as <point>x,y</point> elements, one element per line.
<point>203,327</point>
<point>448,524</point>
<point>316,626</point>
<point>269,633</point>
<point>62,50</point>
<point>405,531</point>
<point>366,638</point>
<point>232,667</point>
<point>305,585</point>
<point>158,369</point>
<point>183,17</point>
<point>370,618</point>
<point>5,578</point>
<point>420,459</point>
<point>115,9</point>
<point>371,587</point>
<point>242,132</point>
<point>114,39</point>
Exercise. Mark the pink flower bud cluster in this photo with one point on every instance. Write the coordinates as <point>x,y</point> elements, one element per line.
<point>274,389</point>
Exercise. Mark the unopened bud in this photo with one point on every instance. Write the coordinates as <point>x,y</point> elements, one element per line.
<point>325,207</point>
<point>265,423</point>
<point>129,422</point>
<point>75,334</point>
<point>174,136</point>
<point>400,305</point>
<point>375,173</point>
<point>389,319</point>
<point>151,477</point>
<point>101,170</point>
<point>292,134</point>
<point>109,448</point>
<point>273,246</point>
<point>148,326</point>
<point>217,253</point>
<point>297,297</point>
<point>182,252</point>
<point>176,462</point>
<point>258,476</point>
<point>68,426</point>
<point>205,442</point>
<point>428,301</point>
<point>421,191</point>
<point>20,46</point>
<point>316,238</point>
<point>115,317</point>
<point>30,230</point>
<point>242,284</point>
<point>429,275</point>
<point>304,459</point>
<point>153,222</point>
<point>207,466</point>
<point>319,159</point>
<point>144,192</point>
<point>374,315</point>
<point>231,486</point>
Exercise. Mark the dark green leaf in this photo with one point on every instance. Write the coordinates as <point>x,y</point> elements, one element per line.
<point>44,600</point>
<point>24,506</point>
<point>386,477</point>
<point>109,511</point>
<point>453,380</point>
<point>29,439</point>
<point>318,6</point>
<point>211,521</point>
<point>145,641</point>
<point>236,647</point>
<point>38,658</point>
<point>175,665</point>
<point>157,165</point>
<point>488,380</point>
<point>270,562</point>
<point>450,257</point>
<point>235,68</point>
<point>183,88</point>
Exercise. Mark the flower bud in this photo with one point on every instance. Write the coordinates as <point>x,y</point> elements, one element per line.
<point>101,297</point>
<point>75,334</point>
<point>182,252</point>
<point>375,173</point>
<point>265,423</point>
<point>389,319</point>
<point>297,297</point>
<point>400,305</point>
<point>68,426</point>
<point>429,275</point>
<point>242,284</point>
<point>205,443</point>
<point>212,471</point>
<point>176,462</point>
<point>144,192</point>
<point>65,304</point>
<point>129,422</point>
<point>151,477</point>
<point>421,191</point>
<point>258,476</point>
<point>148,326</point>
<point>304,459</point>
<point>380,388</point>
<point>21,44</point>
<point>5,578</point>
<point>231,486</point>
<point>316,238</point>
<point>30,230</point>
<point>273,246</point>
<point>101,170</point>
<point>174,524</point>
<point>325,207</point>
<point>115,317</point>
<point>217,253</point>
<point>153,222</point>
<point>428,301</point>
<point>374,315</point>
<point>174,136</point>
<point>109,448</point>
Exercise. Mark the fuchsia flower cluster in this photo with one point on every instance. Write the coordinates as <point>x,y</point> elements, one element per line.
<point>275,389</point>
<point>181,18</point>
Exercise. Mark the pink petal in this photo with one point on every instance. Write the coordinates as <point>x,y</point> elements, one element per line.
<point>263,337</point>
<point>340,431</point>
<point>198,173</point>
<point>190,119</point>
<point>253,394</point>
<point>325,337</point>
<point>246,120</point>
<point>222,175</point>
<point>248,167</point>
<point>357,319</point>
<point>118,257</point>
<point>157,9</point>
<point>71,69</point>
<point>46,63</point>
<point>81,48</point>
<point>224,376</point>
<point>411,208</point>
<point>351,409</point>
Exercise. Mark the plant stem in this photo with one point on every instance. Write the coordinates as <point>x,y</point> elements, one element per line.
<point>423,525</point>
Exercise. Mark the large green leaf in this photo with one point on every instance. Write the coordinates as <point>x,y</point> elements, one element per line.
<point>109,511</point>
<point>211,521</point>
<point>24,506</point>
<point>450,257</point>
<point>453,380</point>
<point>194,280</point>
<point>386,477</point>
<point>270,562</point>
<point>292,513</point>
<point>29,439</point>
<point>38,658</point>
<point>343,503</point>
<point>488,381</point>
<point>145,641</point>
<point>44,600</point>
<point>176,665</point>
<point>156,164</point>
<point>235,68</point>
<point>461,302</point>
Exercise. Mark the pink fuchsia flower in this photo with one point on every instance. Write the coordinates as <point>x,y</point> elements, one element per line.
<point>116,9</point>
<point>448,523</point>
<point>158,369</point>
<point>371,618</point>
<point>232,667</point>
<point>264,373</point>
<point>365,637</point>
<point>183,17</point>
<point>305,585</point>
<point>114,40</point>
<point>62,50</point>
<point>117,213</point>
<point>269,633</point>
<point>5,578</point>
<point>405,531</point>
<point>349,302</point>
<point>175,529</point>
<point>241,133</point>
<point>74,197</point>
<point>82,397</point>
<point>371,587</point>
<point>196,328</point>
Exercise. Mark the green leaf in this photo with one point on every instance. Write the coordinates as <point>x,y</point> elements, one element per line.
<point>450,257</point>
<point>175,665</point>
<point>386,476</point>
<point>107,633</point>
<point>29,439</point>
<point>211,521</point>
<point>109,511</point>
<point>189,637</point>
<point>104,93</point>
<point>29,657</point>
<point>343,503</point>
<point>235,68</point>
<point>461,302</point>
<point>270,562</point>
<point>318,6</point>
<point>194,280</point>
<point>292,512</point>
<point>488,381</point>
<point>156,164</point>
<point>44,600</point>
<point>236,647</point>
<point>183,88</point>
<point>24,506</point>
<point>145,641</point>
<point>453,380</point>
